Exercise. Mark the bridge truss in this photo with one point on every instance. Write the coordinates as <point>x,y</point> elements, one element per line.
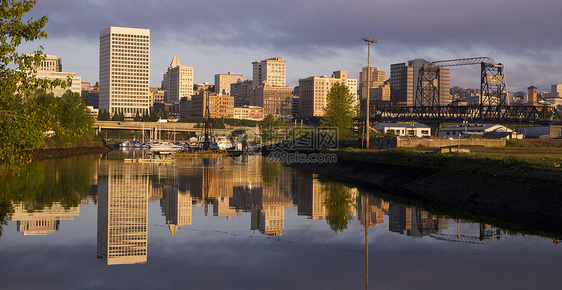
<point>504,114</point>
<point>432,105</point>
<point>493,91</point>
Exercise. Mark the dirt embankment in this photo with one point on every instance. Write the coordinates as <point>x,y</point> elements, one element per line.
<point>40,154</point>
<point>523,196</point>
<point>60,149</point>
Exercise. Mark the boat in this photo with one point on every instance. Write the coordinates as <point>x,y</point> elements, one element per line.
<point>165,146</point>
<point>153,157</point>
<point>224,144</point>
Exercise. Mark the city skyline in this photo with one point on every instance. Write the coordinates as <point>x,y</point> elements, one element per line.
<point>306,35</point>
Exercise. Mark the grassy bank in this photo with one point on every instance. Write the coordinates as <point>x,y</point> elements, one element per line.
<point>508,189</point>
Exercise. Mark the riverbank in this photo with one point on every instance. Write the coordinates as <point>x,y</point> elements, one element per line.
<point>54,148</point>
<point>509,190</point>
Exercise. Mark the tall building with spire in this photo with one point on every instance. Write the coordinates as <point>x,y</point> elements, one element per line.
<point>124,71</point>
<point>177,82</point>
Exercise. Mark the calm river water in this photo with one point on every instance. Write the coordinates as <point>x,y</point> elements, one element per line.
<point>96,222</point>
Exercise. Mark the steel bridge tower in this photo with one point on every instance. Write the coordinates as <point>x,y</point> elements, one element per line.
<point>493,90</point>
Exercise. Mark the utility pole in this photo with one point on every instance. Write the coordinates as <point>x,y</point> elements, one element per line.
<point>367,114</point>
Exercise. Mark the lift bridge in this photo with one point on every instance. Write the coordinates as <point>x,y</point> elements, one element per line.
<point>429,105</point>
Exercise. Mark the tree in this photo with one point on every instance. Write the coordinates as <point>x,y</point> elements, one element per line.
<point>22,123</point>
<point>456,90</point>
<point>340,110</point>
<point>269,127</point>
<point>75,118</point>
<point>340,205</point>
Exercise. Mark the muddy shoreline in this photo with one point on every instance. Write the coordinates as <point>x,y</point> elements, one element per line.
<point>527,200</point>
<point>46,153</point>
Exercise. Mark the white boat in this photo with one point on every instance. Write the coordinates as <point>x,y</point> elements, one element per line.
<point>165,146</point>
<point>224,144</point>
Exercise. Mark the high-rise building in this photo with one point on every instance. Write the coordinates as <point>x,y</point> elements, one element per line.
<point>274,100</point>
<point>51,68</point>
<point>219,106</point>
<point>177,82</point>
<point>50,63</point>
<point>532,96</point>
<point>241,89</point>
<point>124,70</point>
<point>376,79</point>
<point>404,83</point>
<point>556,91</point>
<point>75,86</point>
<point>223,83</point>
<point>90,95</point>
<point>314,91</point>
<point>271,70</point>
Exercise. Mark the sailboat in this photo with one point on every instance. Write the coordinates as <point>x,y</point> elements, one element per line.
<point>163,145</point>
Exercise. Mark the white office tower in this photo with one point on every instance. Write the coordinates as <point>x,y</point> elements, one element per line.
<point>178,82</point>
<point>124,70</point>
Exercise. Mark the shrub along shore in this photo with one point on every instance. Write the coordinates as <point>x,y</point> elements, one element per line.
<point>523,194</point>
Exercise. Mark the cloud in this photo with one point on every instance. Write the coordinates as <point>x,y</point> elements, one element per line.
<point>311,33</point>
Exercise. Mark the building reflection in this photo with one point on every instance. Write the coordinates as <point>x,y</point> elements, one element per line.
<point>311,195</point>
<point>177,208</point>
<point>123,191</point>
<point>43,221</point>
<point>371,210</point>
<point>262,189</point>
<point>413,221</point>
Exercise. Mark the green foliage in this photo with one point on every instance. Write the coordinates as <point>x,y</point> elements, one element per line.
<point>192,120</point>
<point>340,110</point>
<point>268,128</point>
<point>217,123</point>
<point>104,116</point>
<point>22,122</point>
<point>118,117</point>
<point>75,118</point>
<point>44,183</point>
<point>340,206</point>
<point>389,133</point>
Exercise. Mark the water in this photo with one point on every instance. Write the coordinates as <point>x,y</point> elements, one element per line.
<point>95,222</point>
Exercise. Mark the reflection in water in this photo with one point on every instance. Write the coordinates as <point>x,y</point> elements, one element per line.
<point>44,221</point>
<point>316,221</point>
<point>45,193</point>
<point>414,222</point>
<point>123,213</point>
<point>261,188</point>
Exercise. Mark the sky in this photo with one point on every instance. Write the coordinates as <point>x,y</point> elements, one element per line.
<point>316,37</point>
